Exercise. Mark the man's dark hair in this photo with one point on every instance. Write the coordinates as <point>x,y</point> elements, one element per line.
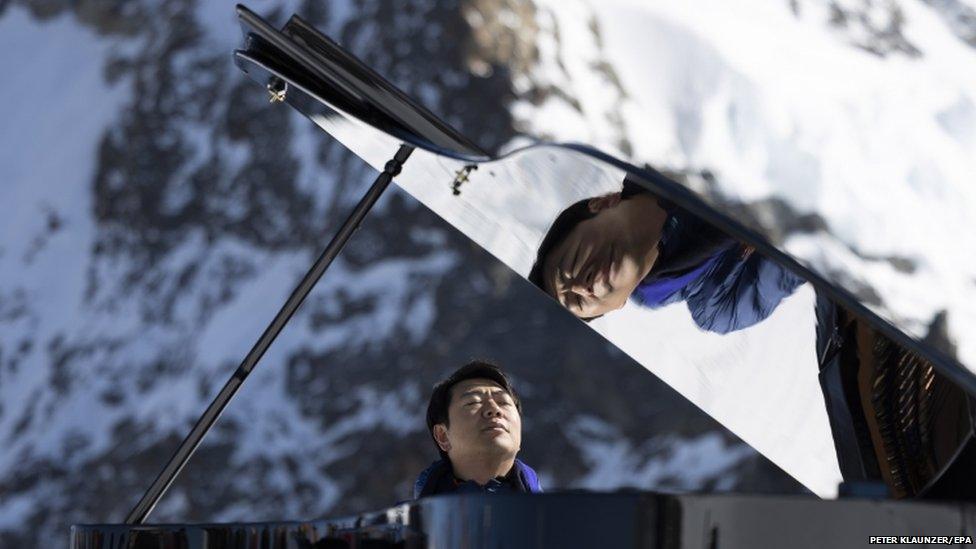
<point>440,398</point>
<point>564,223</point>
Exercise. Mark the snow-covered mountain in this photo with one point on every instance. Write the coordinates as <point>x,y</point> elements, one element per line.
<point>155,212</point>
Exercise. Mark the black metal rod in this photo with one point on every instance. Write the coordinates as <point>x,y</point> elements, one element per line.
<point>192,441</point>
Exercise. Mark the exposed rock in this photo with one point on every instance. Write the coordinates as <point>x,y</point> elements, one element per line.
<point>959,16</point>
<point>876,26</point>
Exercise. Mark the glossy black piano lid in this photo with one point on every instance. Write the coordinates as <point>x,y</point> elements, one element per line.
<point>797,371</point>
<point>321,69</point>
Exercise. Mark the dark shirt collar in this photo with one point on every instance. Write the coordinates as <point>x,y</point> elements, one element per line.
<point>507,477</point>
<point>508,482</point>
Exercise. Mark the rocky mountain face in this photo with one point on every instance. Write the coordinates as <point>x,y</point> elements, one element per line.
<point>203,207</point>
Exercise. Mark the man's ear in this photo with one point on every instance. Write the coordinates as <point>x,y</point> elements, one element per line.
<point>440,436</point>
<point>604,202</point>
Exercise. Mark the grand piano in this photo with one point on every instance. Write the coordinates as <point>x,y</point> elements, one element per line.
<point>624,520</point>
<point>878,425</point>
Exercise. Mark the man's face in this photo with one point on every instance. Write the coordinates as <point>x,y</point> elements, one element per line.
<point>482,421</point>
<point>596,267</point>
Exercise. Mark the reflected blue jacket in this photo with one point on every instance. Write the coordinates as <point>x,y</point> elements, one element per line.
<point>726,286</point>
<point>730,291</point>
<point>439,479</point>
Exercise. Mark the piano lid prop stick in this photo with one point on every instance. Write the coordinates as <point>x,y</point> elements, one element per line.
<point>189,445</point>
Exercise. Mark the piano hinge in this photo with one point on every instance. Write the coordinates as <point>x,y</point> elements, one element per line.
<point>277,88</point>
<point>461,176</point>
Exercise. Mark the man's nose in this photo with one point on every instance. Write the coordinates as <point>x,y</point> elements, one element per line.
<point>492,409</point>
<point>579,288</point>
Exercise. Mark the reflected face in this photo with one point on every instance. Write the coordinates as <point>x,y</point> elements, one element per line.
<point>483,422</point>
<point>600,262</point>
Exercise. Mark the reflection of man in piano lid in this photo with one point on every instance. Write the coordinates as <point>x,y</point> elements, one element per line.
<point>474,417</point>
<point>602,251</point>
<point>598,250</point>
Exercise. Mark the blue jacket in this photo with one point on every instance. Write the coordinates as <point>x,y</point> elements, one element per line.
<point>439,479</point>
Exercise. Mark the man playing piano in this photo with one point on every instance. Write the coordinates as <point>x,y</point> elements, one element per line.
<point>475,419</point>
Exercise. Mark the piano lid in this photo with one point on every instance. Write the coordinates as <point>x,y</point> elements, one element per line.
<point>779,354</point>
